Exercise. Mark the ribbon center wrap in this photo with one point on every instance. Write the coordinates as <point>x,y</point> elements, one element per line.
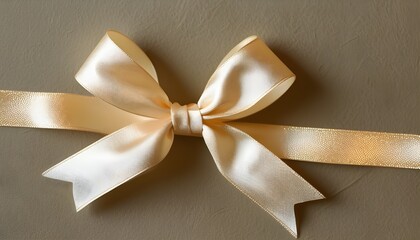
<point>140,121</point>
<point>186,119</point>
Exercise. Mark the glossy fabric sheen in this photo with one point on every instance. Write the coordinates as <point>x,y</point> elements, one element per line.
<point>129,105</point>
<point>337,146</point>
<point>258,173</point>
<point>62,111</point>
<point>114,159</point>
<point>119,78</point>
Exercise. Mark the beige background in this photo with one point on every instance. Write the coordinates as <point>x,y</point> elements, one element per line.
<point>358,67</point>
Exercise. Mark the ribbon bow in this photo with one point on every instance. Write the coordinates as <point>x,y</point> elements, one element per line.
<point>132,108</point>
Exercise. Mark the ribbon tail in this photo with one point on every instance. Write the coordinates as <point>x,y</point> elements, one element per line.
<point>113,160</point>
<point>336,146</point>
<point>258,173</point>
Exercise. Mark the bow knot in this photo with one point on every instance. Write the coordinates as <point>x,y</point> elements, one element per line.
<point>186,119</point>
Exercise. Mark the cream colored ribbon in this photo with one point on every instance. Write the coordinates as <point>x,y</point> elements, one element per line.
<point>129,105</point>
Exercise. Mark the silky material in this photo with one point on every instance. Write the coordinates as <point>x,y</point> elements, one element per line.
<point>140,123</point>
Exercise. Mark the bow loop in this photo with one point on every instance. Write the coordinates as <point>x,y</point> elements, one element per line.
<point>120,73</point>
<point>249,78</point>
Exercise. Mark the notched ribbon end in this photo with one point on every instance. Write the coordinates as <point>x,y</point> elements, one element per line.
<point>50,173</point>
<point>316,196</point>
<point>80,200</point>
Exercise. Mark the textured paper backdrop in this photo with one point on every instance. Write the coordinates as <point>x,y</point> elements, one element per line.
<point>357,65</point>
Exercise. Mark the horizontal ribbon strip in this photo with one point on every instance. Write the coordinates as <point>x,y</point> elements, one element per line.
<point>334,146</point>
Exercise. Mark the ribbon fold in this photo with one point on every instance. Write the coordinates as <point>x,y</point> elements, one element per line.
<point>140,122</point>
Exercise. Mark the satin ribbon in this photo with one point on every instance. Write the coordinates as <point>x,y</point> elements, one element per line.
<point>140,122</point>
